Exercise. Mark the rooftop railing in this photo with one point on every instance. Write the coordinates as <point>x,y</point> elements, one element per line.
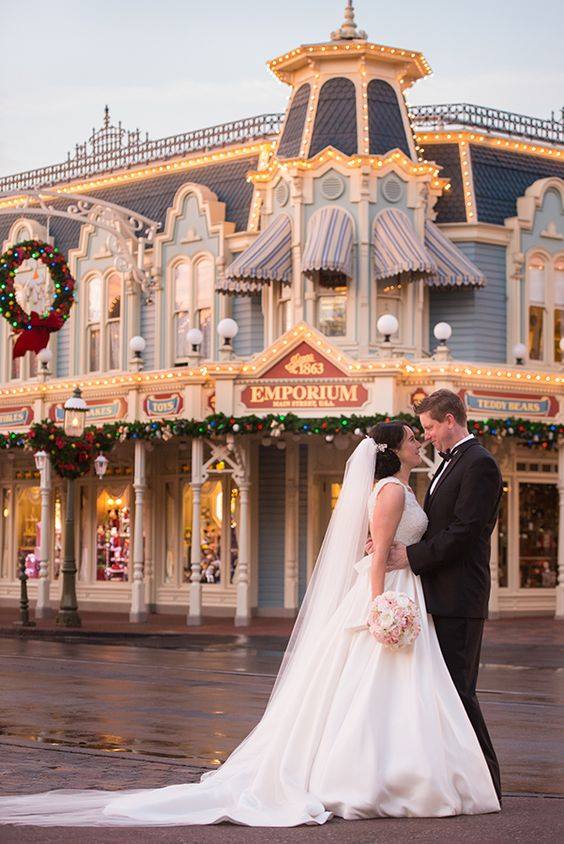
<point>113,148</point>
<point>466,116</point>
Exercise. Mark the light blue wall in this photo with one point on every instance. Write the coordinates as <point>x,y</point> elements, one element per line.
<point>272,481</point>
<point>478,317</point>
<point>550,212</point>
<point>147,327</point>
<point>200,241</point>
<point>247,312</point>
<point>63,350</point>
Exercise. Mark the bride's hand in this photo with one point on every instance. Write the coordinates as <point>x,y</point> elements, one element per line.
<point>397,558</point>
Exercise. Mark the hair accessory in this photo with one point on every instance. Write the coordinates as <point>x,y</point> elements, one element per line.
<point>381,446</point>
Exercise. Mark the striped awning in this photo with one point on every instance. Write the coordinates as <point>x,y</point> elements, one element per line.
<point>329,243</point>
<point>397,251</point>
<point>454,269</point>
<point>268,259</point>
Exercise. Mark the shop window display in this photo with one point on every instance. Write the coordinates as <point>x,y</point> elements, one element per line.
<point>538,535</point>
<point>28,529</point>
<point>112,536</point>
<point>219,531</point>
<point>58,537</point>
<point>5,532</point>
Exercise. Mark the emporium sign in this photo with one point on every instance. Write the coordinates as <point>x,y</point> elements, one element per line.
<point>304,379</point>
<point>14,417</point>
<point>510,404</point>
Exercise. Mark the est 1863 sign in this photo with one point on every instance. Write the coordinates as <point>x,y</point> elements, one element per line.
<point>304,379</point>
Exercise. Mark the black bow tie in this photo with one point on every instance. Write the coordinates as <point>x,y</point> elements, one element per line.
<point>447,455</point>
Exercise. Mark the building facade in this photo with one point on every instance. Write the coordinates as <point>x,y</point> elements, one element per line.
<point>305,228</point>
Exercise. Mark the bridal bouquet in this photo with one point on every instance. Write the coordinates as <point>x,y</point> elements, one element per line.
<point>393,620</point>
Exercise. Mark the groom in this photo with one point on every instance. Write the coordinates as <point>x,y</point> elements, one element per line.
<point>453,557</point>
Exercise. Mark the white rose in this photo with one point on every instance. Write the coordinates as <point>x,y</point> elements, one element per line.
<point>402,600</point>
<point>386,619</point>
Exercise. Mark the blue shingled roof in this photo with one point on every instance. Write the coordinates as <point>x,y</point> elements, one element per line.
<point>450,206</point>
<point>291,140</point>
<point>385,119</point>
<point>153,197</point>
<point>335,119</point>
<point>500,177</point>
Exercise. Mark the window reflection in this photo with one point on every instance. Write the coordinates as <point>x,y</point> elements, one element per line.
<point>112,535</point>
<point>538,535</point>
<point>28,529</point>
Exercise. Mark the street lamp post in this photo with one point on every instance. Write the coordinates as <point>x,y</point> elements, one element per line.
<point>75,418</point>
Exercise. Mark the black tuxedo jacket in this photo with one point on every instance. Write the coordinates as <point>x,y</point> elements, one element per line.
<point>453,558</point>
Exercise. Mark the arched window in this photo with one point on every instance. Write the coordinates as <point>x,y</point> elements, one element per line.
<point>536,277</point>
<point>182,284</point>
<point>193,286</point>
<point>204,284</point>
<point>558,307</point>
<point>94,316</point>
<point>113,320</point>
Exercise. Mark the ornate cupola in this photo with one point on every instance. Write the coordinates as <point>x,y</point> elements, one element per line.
<point>347,93</point>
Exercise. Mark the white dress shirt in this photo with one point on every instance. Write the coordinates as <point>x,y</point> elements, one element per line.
<point>436,478</point>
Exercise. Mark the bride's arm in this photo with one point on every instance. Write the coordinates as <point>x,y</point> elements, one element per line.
<point>386,517</point>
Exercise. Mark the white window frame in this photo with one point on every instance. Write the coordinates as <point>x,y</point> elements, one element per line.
<point>104,323</point>
<point>319,292</point>
<point>195,302</point>
<point>548,356</point>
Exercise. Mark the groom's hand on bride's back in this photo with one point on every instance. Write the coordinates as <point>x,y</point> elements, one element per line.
<point>369,547</point>
<point>397,558</point>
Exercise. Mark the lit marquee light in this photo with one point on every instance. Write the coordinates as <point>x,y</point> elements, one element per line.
<point>498,143</point>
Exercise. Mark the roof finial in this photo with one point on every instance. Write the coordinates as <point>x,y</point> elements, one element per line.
<point>348,30</point>
<point>106,117</point>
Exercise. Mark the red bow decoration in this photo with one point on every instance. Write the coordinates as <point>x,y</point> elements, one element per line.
<point>36,338</point>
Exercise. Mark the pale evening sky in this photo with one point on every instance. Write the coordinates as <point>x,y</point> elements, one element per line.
<point>169,66</point>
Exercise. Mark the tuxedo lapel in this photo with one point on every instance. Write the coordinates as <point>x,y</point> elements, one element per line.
<point>458,454</point>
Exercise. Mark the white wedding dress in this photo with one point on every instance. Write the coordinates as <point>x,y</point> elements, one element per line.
<point>365,732</point>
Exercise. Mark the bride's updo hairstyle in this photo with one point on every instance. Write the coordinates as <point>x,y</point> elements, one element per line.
<point>388,435</point>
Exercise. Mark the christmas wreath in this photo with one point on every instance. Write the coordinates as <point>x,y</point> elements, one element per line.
<point>34,328</point>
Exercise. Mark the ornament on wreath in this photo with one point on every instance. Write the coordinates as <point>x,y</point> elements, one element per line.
<point>49,306</point>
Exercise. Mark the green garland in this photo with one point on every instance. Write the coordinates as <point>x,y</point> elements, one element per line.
<point>73,458</point>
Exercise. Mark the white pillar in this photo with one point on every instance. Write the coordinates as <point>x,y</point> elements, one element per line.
<point>43,609</point>
<point>493,607</point>
<point>291,549</point>
<point>195,610</point>
<point>560,587</point>
<point>243,612</point>
<point>138,606</point>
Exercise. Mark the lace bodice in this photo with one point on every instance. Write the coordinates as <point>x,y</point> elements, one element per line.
<point>413,523</point>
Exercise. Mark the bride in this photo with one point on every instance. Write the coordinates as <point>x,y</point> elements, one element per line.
<point>352,729</point>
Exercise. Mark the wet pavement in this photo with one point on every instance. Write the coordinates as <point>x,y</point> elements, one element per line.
<point>82,713</point>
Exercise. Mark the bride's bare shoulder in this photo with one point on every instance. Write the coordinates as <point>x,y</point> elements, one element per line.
<point>389,493</point>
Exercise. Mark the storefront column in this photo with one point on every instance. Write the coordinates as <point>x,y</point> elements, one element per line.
<point>291,526</point>
<point>493,607</point>
<point>243,614</point>
<point>195,609</point>
<point>43,608</point>
<point>560,586</point>
<point>138,606</point>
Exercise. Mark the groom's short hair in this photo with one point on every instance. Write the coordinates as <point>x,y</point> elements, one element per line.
<point>441,402</point>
